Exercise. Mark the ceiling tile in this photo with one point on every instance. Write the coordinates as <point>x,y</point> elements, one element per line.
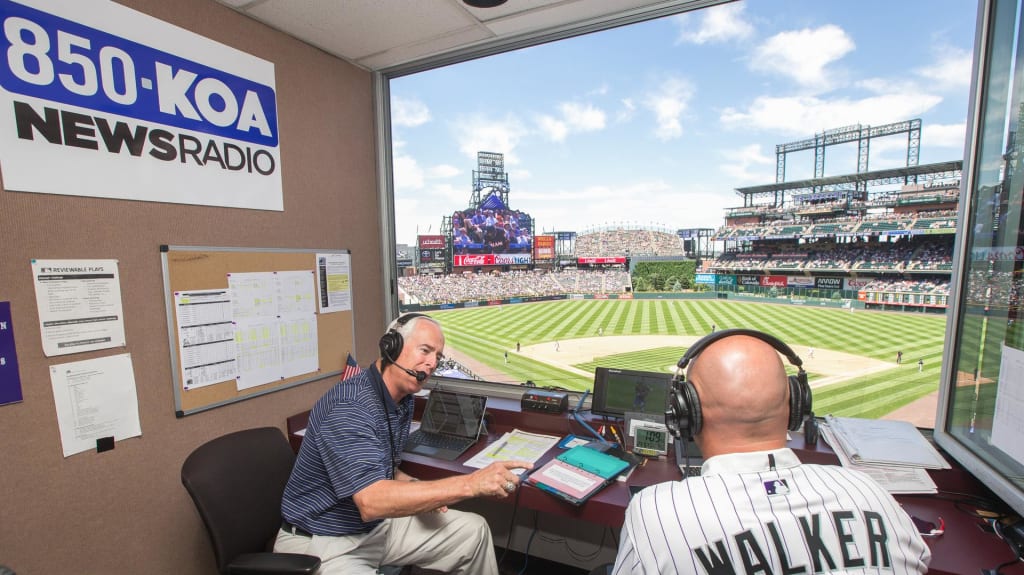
<point>358,28</point>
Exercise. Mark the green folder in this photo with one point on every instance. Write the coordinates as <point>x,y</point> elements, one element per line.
<point>602,464</point>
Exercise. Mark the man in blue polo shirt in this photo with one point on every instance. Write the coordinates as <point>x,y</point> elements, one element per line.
<point>346,500</point>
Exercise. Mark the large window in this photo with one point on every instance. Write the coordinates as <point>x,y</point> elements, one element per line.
<point>607,199</point>
<point>983,403</point>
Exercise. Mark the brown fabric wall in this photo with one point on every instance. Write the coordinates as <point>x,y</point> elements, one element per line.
<point>125,511</point>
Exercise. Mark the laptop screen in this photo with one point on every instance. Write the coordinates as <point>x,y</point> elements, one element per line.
<point>453,413</point>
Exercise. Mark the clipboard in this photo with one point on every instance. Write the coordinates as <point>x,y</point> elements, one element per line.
<point>576,475</point>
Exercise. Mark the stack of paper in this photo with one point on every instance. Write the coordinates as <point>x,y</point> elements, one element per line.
<point>893,453</point>
<point>518,445</point>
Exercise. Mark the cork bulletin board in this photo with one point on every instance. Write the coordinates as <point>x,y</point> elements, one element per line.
<point>197,278</point>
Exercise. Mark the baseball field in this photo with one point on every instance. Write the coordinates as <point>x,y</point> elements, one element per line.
<point>850,357</point>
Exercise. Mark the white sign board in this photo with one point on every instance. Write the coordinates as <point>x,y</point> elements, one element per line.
<point>99,100</point>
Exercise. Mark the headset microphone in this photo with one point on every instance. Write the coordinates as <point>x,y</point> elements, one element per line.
<point>419,375</point>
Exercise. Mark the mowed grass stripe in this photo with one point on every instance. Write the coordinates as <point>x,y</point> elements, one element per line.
<point>484,333</point>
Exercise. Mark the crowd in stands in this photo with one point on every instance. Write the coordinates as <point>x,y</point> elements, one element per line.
<point>927,255</point>
<point>932,287</point>
<point>866,224</point>
<point>433,290</point>
<point>628,242</point>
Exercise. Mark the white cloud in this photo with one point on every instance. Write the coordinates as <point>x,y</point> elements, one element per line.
<point>408,113</point>
<point>408,174</point>
<point>748,164</point>
<point>582,117</point>
<point>806,115</point>
<point>669,102</point>
<point>944,135</point>
<point>443,171</point>
<point>803,55</point>
<point>574,118</point>
<point>625,113</point>
<point>552,128</point>
<point>480,134</point>
<point>717,24</point>
<point>952,70</point>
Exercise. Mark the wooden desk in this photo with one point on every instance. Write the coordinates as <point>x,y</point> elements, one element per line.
<point>964,549</point>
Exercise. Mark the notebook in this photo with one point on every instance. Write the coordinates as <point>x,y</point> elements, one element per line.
<point>580,472</point>
<point>450,425</point>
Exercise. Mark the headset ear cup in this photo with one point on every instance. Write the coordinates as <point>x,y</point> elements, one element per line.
<point>799,400</point>
<point>694,419</point>
<point>391,346</point>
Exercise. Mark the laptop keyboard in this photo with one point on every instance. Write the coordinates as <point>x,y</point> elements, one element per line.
<point>436,441</point>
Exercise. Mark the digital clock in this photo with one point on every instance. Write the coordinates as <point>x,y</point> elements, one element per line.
<point>651,441</point>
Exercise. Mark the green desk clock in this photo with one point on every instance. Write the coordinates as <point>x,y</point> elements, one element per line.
<point>650,441</point>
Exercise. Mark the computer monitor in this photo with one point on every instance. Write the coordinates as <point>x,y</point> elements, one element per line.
<point>617,391</point>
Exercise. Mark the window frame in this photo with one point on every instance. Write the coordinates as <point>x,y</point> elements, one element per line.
<point>385,167</point>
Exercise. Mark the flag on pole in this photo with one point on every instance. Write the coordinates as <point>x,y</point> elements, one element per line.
<point>351,368</point>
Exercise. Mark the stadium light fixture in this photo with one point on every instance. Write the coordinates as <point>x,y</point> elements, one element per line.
<point>484,3</point>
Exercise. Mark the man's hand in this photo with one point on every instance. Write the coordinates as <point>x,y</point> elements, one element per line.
<point>497,479</point>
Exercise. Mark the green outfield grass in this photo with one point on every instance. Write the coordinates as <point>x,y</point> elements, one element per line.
<point>485,333</point>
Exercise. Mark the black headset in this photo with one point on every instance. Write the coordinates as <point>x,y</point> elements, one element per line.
<point>684,418</point>
<point>391,343</point>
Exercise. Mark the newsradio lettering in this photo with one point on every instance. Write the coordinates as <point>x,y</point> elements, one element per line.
<point>66,63</point>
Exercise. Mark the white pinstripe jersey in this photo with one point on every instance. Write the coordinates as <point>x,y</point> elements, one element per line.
<point>742,515</point>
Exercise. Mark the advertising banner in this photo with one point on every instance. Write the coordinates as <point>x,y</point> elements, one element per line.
<point>462,260</point>
<point>544,247</point>
<point>828,283</point>
<point>799,281</point>
<point>749,280</point>
<point>726,280</point>
<point>708,279</point>
<point>772,281</point>
<point>617,260</point>
<point>855,283</point>
<point>131,107</point>
<point>431,242</point>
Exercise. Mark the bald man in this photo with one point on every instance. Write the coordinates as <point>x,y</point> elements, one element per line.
<point>755,508</point>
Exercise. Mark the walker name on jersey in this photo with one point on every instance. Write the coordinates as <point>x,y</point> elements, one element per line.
<point>834,549</point>
<point>58,60</point>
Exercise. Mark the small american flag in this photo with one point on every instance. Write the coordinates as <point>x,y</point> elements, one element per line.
<point>351,368</point>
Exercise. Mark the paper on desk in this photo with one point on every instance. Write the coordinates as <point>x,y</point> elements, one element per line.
<point>518,445</point>
<point>894,478</point>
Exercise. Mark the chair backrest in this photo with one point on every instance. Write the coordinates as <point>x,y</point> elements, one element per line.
<point>236,482</point>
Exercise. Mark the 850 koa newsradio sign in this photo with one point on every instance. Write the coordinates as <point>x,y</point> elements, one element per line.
<point>99,100</point>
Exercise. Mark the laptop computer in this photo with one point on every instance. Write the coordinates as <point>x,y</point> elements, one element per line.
<point>450,425</point>
<point>690,463</point>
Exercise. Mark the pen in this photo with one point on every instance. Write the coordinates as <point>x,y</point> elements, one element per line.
<point>500,447</point>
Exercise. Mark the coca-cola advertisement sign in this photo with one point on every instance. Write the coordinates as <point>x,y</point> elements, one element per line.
<point>474,260</point>
<point>773,281</point>
<point>491,259</point>
<point>431,242</point>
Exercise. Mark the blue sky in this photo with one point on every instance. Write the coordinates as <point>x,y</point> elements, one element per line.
<point>658,123</point>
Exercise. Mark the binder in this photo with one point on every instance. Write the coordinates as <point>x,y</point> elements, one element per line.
<point>576,475</point>
<point>884,442</point>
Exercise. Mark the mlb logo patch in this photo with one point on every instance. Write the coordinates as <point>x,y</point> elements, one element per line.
<point>776,487</point>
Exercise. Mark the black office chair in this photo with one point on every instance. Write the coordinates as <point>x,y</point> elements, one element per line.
<point>236,482</point>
